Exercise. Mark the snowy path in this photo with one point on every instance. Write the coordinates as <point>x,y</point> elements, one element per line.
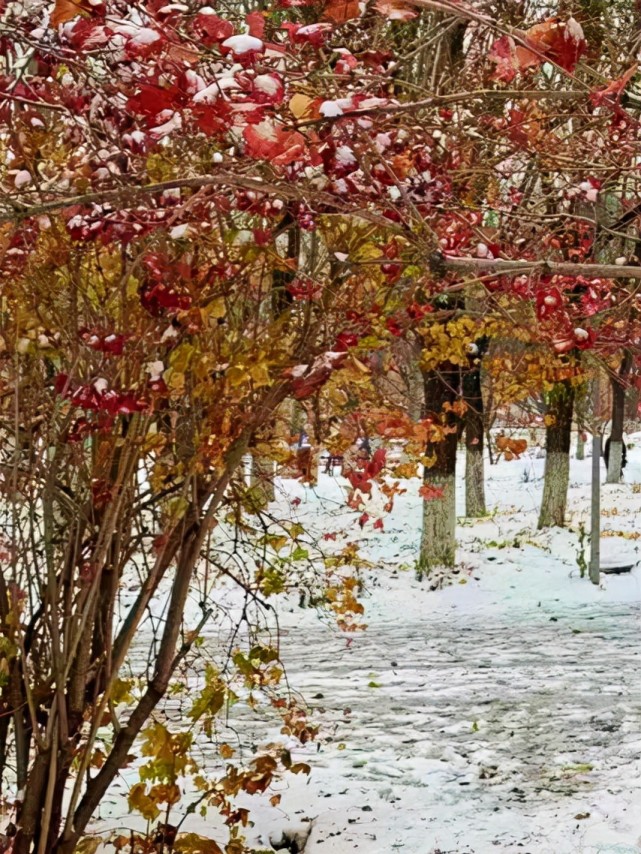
<point>500,714</point>
<point>488,732</point>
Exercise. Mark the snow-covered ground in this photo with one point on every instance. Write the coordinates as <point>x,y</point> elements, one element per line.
<point>500,713</point>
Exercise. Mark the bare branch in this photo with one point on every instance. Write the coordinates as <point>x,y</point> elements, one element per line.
<point>504,267</point>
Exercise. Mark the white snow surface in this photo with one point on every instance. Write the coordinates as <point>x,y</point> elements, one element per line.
<point>501,712</point>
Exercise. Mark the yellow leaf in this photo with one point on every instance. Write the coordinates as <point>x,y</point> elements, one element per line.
<point>226,751</point>
<point>121,691</point>
<point>176,507</point>
<point>175,380</point>
<point>140,801</point>
<point>181,357</point>
<point>260,374</point>
<point>300,106</point>
<point>236,375</point>
<point>88,845</point>
<point>191,843</point>
<point>216,308</point>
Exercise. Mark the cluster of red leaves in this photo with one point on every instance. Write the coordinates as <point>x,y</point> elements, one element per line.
<point>553,40</point>
<point>97,397</point>
<point>110,343</point>
<point>362,477</point>
<point>563,305</point>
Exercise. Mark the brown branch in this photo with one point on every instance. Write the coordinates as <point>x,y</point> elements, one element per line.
<point>14,210</point>
<point>45,105</point>
<point>455,98</point>
<point>503,267</point>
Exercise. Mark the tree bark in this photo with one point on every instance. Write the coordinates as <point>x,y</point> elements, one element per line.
<point>618,382</point>
<point>438,538</point>
<point>474,436</point>
<point>558,437</point>
<point>408,356</point>
<point>262,481</point>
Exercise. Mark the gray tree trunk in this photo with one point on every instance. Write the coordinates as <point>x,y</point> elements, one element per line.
<point>438,536</point>
<point>615,460</point>
<point>619,383</point>
<point>438,539</point>
<point>558,435</point>
<point>408,357</point>
<point>474,483</point>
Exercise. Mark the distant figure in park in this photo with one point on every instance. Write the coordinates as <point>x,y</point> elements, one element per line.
<point>606,455</point>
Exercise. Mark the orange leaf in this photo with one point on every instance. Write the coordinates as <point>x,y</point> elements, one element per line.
<point>340,11</point>
<point>611,94</point>
<point>67,10</point>
<point>430,493</point>
<point>560,41</point>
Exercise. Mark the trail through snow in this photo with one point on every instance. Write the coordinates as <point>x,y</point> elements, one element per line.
<point>502,713</point>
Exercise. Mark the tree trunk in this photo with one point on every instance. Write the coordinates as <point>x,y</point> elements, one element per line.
<point>615,456</point>
<point>558,437</point>
<point>580,445</point>
<point>262,481</point>
<point>408,357</point>
<point>474,436</point>
<point>438,538</point>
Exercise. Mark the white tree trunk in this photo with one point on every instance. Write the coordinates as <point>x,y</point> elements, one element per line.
<point>614,462</point>
<point>555,490</point>
<point>438,538</point>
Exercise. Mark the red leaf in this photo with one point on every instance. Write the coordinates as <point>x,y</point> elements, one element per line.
<point>152,99</point>
<point>312,34</point>
<point>377,463</point>
<point>111,344</point>
<point>142,42</point>
<point>62,383</point>
<point>256,23</point>
<point>510,59</point>
<point>378,525</point>
<point>561,41</point>
<point>213,118</point>
<point>273,142</point>
<point>211,28</point>
<point>363,520</point>
<point>547,302</point>
<point>267,89</point>
<point>87,34</point>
